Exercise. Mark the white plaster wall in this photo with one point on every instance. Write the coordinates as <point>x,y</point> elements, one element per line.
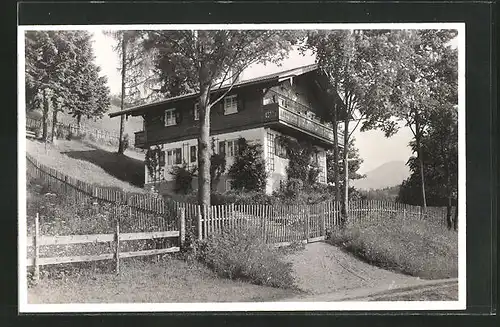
<point>251,135</point>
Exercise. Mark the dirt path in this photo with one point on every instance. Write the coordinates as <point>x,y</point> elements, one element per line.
<point>322,268</point>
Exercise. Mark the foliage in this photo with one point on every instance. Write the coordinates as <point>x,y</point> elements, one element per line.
<point>386,194</point>
<point>140,82</point>
<point>61,74</point>
<point>440,150</point>
<point>210,62</point>
<point>241,254</point>
<point>413,247</point>
<point>300,164</point>
<point>217,167</point>
<point>360,67</point>
<point>426,80</point>
<point>293,187</point>
<point>248,172</point>
<point>355,162</point>
<point>183,178</point>
<point>126,141</point>
<point>152,161</point>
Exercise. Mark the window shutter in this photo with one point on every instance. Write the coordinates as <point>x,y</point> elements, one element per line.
<point>241,103</point>
<point>178,117</point>
<point>162,159</point>
<point>222,147</point>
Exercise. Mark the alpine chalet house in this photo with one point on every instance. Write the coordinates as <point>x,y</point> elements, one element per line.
<point>259,109</point>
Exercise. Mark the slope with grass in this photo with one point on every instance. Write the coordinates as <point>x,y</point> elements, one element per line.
<point>92,163</point>
<point>146,281</point>
<point>414,247</point>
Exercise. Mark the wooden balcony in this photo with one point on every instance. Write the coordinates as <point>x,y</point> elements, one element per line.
<point>140,140</point>
<point>293,119</point>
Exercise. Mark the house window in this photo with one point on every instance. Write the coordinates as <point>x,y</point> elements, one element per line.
<point>222,147</point>
<point>193,153</point>
<point>230,105</point>
<point>174,157</point>
<point>170,117</point>
<point>232,148</point>
<point>178,156</point>
<point>270,151</point>
<point>280,149</point>
<point>196,111</point>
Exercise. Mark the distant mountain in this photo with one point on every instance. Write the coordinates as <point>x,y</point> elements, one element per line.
<point>389,174</point>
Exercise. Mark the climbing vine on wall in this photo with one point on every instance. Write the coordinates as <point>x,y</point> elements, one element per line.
<point>155,158</point>
<point>300,166</point>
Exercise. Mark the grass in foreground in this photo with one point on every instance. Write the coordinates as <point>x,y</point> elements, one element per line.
<point>146,281</point>
<point>91,164</point>
<point>443,293</point>
<point>413,247</point>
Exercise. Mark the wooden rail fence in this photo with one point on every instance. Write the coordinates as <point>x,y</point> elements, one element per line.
<point>38,240</point>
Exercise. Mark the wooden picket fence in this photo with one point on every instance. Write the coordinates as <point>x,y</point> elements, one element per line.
<point>96,134</point>
<point>278,224</point>
<point>146,212</point>
<point>284,224</point>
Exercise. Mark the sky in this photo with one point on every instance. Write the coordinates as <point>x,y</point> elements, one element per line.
<point>374,147</point>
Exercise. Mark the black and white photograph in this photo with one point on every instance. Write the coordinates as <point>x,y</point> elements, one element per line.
<point>241,167</point>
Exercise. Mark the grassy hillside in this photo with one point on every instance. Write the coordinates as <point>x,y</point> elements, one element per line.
<point>92,163</point>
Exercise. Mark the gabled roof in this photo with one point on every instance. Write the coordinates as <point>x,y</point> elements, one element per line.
<point>261,79</point>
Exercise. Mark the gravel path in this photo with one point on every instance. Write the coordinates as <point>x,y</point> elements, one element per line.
<point>323,268</point>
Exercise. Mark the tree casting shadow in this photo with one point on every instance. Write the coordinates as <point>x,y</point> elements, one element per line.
<point>124,168</point>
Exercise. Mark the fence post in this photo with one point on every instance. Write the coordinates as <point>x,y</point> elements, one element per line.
<point>36,244</point>
<point>307,211</point>
<point>200,231</point>
<point>117,245</point>
<point>322,213</point>
<point>182,227</point>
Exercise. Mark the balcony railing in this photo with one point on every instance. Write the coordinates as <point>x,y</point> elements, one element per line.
<point>140,139</point>
<point>296,114</point>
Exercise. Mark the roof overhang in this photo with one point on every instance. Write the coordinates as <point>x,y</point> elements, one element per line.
<point>277,77</point>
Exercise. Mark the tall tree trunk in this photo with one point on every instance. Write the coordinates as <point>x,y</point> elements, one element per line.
<point>346,169</point>
<point>455,220</point>
<point>418,134</point>
<point>45,115</point>
<point>336,178</point>
<point>54,121</point>
<point>79,122</point>
<point>448,190</point>
<point>203,148</point>
<point>121,148</point>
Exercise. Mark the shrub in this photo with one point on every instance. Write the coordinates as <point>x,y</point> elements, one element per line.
<point>241,254</point>
<point>217,167</point>
<point>293,187</point>
<point>69,136</point>
<point>182,179</point>
<point>413,247</point>
<point>248,171</point>
<point>126,141</point>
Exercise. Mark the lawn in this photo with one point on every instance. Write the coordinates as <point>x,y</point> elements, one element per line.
<point>92,163</point>
<point>443,293</point>
<point>147,281</point>
<point>410,246</point>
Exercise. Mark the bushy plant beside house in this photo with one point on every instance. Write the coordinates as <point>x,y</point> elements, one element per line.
<point>241,254</point>
<point>248,172</point>
<point>183,177</point>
